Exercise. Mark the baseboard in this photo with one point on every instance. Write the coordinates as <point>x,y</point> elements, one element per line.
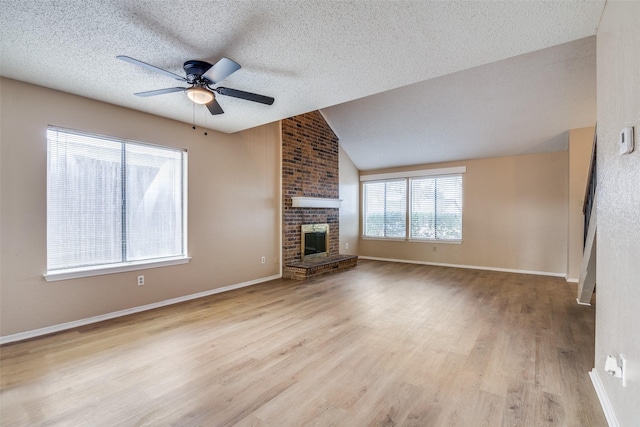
<point>604,400</point>
<point>573,280</point>
<point>471,267</point>
<point>82,322</point>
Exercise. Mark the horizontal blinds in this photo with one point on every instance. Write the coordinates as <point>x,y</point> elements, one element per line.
<point>436,208</point>
<point>153,202</point>
<point>385,209</point>
<point>110,202</point>
<point>84,201</point>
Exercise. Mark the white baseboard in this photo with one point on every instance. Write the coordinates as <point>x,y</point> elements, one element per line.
<point>472,267</point>
<point>82,322</point>
<point>604,400</point>
<point>573,280</point>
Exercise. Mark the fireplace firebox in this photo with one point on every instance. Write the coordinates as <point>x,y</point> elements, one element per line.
<point>314,241</point>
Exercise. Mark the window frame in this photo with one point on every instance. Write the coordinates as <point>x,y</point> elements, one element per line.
<point>408,176</point>
<point>133,265</point>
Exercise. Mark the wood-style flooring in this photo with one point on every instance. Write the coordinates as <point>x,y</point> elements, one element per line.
<point>381,344</point>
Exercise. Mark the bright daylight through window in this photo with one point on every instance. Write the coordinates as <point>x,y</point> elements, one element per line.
<point>112,202</point>
<point>385,209</point>
<point>434,206</point>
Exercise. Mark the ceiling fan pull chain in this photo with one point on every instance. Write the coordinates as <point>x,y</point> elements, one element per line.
<point>193,117</point>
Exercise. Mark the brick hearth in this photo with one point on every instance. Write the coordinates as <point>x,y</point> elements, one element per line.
<point>302,270</point>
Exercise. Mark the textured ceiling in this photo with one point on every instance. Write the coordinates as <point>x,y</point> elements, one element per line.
<point>313,55</point>
<point>519,105</point>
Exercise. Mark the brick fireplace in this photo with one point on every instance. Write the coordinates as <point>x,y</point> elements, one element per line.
<point>310,161</point>
<point>310,154</point>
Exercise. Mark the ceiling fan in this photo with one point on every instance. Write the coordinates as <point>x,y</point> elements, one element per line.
<point>201,76</point>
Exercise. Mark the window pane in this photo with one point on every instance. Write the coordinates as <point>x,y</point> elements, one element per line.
<point>436,208</point>
<point>385,209</point>
<point>396,209</point>
<point>423,224</point>
<point>449,212</point>
<point>83,201</point>
<point>374,209</point>
<point>154,202</point>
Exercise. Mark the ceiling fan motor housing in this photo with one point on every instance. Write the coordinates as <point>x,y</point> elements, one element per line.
<point>195,69</point>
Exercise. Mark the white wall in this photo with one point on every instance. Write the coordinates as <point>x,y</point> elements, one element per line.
<point>618,215</point>
<point>350,207</point>
<point>234,209</point>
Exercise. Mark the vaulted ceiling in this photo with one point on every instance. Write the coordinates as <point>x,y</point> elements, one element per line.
<point>400,83</point>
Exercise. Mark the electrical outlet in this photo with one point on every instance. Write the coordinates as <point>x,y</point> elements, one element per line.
<point>626,140</point>
<point>140,280</point>
<point>263,259</point>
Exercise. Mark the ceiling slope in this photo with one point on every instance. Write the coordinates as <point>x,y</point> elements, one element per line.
<point>520,105</point>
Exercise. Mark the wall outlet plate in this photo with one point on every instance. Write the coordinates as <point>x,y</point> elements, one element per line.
<point>625,140</point>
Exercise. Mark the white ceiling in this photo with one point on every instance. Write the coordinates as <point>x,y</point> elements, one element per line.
<point>519,105</point>
<point>450,91</point>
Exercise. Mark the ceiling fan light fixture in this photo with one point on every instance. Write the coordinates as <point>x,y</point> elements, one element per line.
<point>199,95</point>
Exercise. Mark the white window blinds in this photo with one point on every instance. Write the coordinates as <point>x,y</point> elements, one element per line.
<point>385,209</point>
<point>436,208</point>
<point>431,202</point>
<point>112,201</point>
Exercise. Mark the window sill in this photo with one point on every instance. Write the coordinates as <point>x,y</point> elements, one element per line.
<point>446,242</point>
<point>386,239</point>
<point>75,273</point>
<point>398,239</point>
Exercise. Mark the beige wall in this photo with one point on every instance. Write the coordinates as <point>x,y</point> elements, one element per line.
<point>580,146</point>
<point>618,214</point>
<point>350,206</point>
<point>234,202</point>
<point>514,217</point>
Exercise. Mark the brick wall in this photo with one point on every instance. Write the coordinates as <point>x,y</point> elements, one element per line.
<point>309,168</point>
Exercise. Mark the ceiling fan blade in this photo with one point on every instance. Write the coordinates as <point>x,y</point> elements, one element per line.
<point>214,107</point>
<point>221,70</point>
<point>245,95</point>
<point>151,67</point>
<point>161,91</point>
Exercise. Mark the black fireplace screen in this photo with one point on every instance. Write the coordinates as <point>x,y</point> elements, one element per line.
<point>315,242</point>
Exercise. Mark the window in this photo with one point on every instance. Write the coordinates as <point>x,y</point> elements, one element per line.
<point>433,205</point>
<point>436,208</point>
<point>112,203</point>
<point>385,209</point>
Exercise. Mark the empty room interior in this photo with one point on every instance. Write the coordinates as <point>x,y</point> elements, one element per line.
<point>323,213</point>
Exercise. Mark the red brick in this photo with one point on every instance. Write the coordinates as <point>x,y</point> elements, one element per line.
<point>310,169</point>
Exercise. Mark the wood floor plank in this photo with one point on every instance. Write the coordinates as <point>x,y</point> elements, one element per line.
<point>380,344</point>
<point>550,410</point>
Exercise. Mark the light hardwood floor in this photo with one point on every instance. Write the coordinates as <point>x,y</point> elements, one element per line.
<point>382,344</point>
